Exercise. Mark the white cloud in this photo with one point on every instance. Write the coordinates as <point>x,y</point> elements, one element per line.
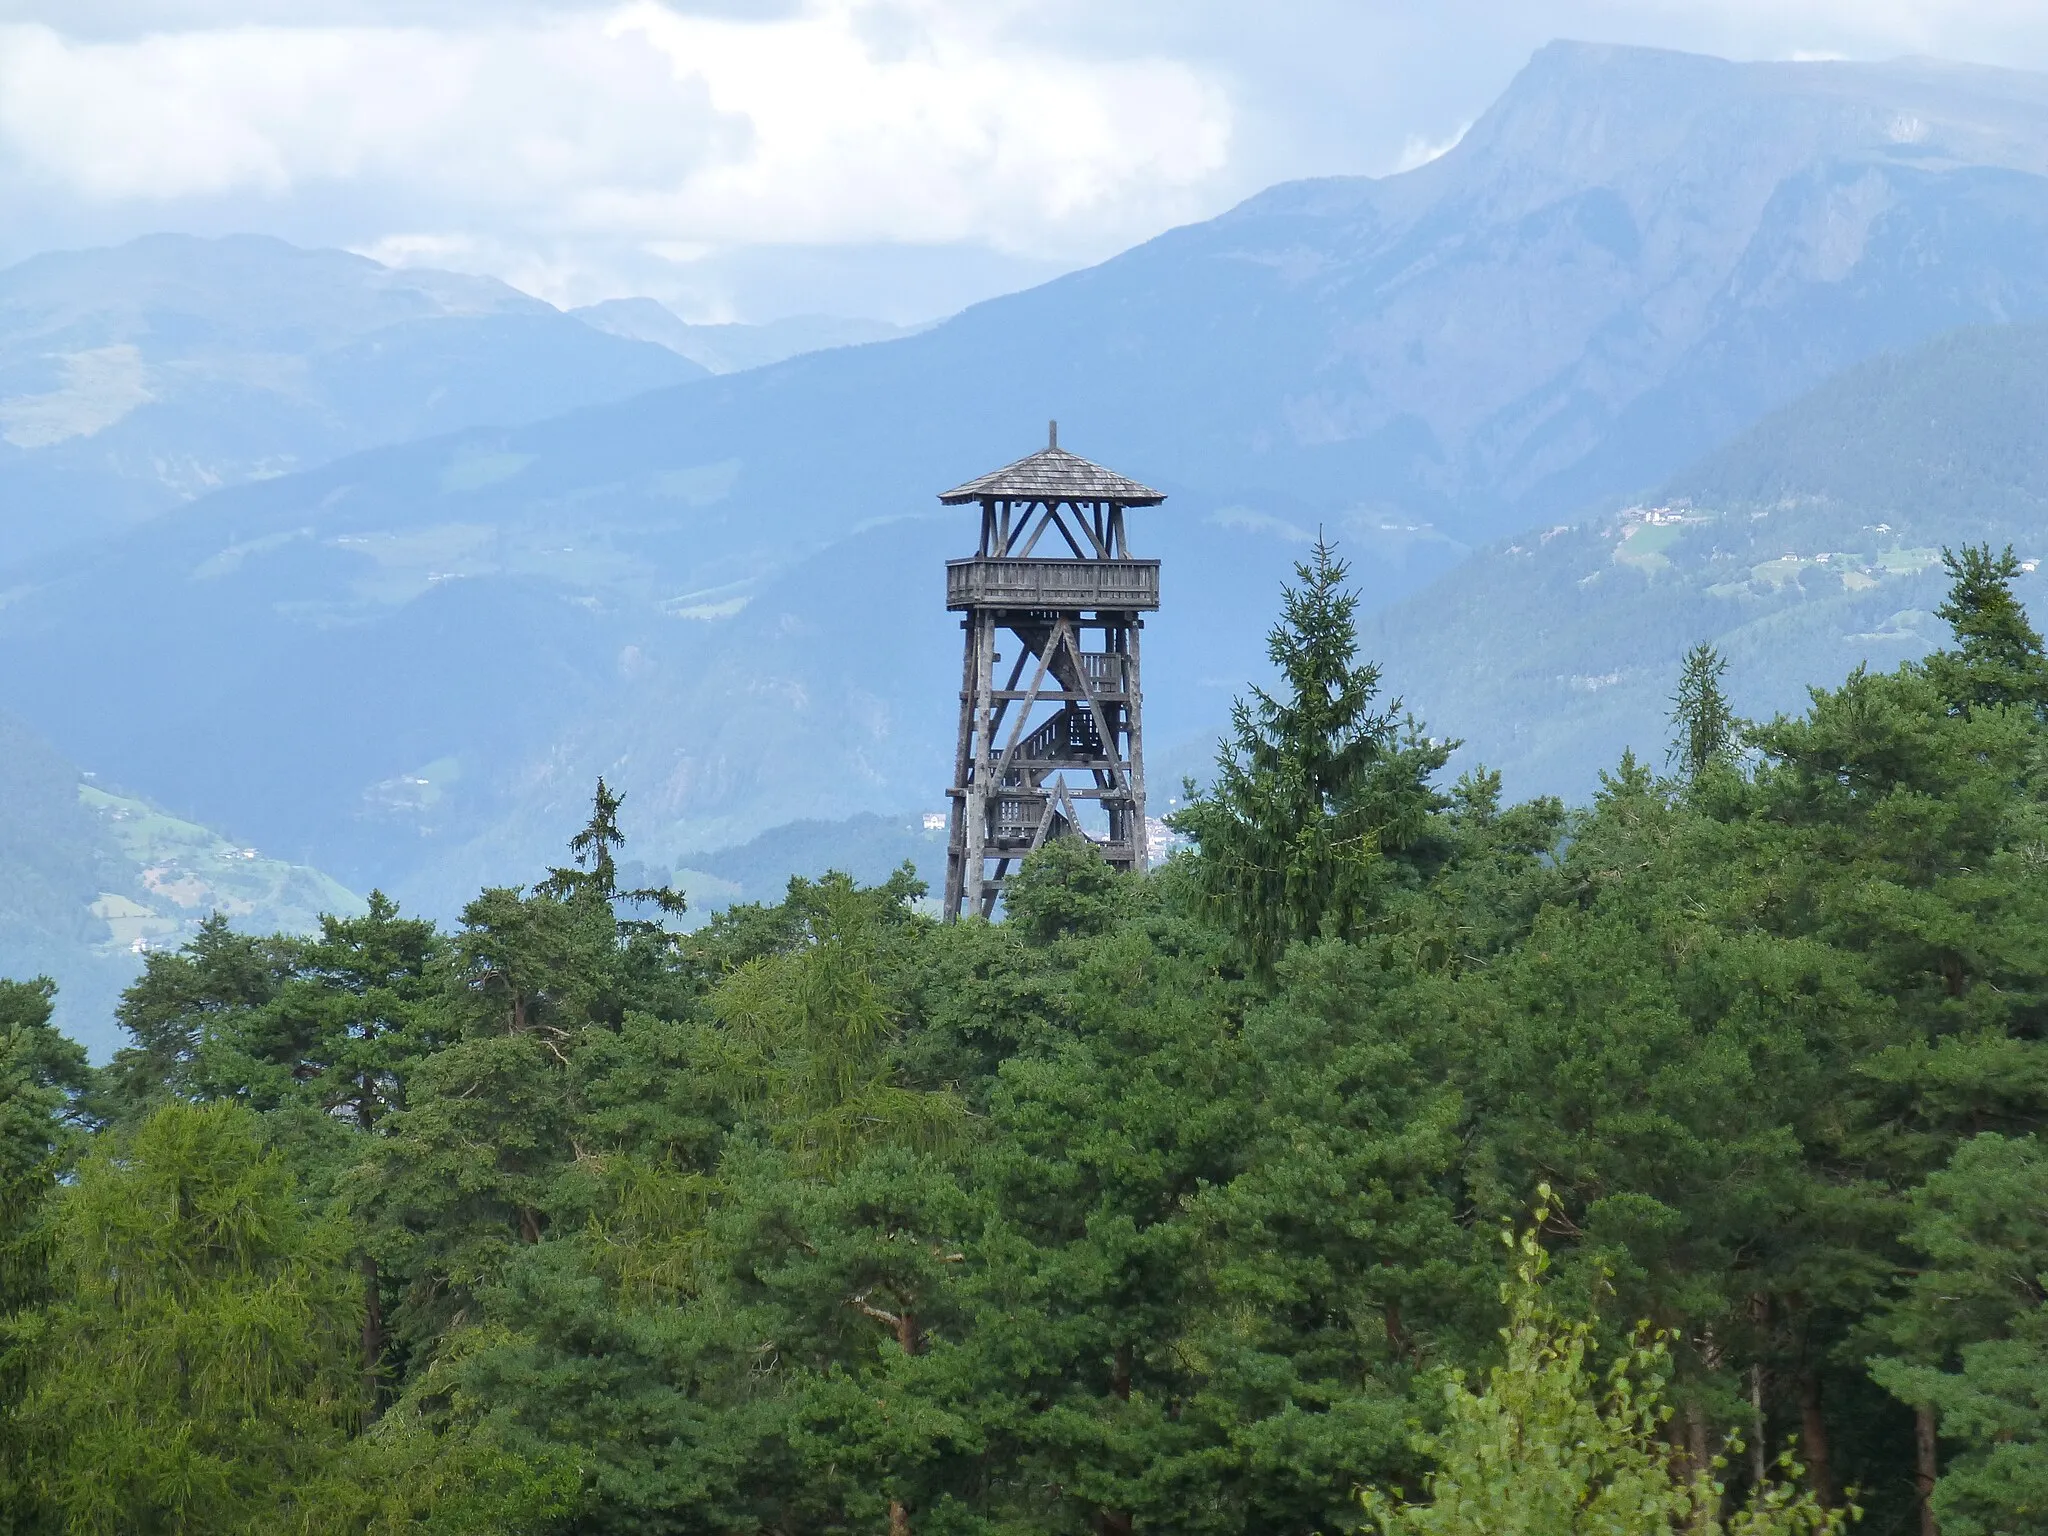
<point>587,147</point>
<point>934,129</point>
<point>1419,151</point>
<point>1985,31</point>
<point>849,121</point>
<point>486,115</point>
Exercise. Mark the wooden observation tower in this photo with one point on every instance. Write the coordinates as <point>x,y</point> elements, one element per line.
<point>1048,723</point>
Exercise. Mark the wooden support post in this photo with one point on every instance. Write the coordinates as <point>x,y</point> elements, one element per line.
<point>1133,706</point>
<point>959,844</point>
<point>972,788</point>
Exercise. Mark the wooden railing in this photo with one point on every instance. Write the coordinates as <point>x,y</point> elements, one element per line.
<point>1068,737</point>
<point>1107,671</point>
<point>1053,585</point>
<point>1016,820</point>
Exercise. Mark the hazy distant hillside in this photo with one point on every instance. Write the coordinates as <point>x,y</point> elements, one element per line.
<point>1808,545</point>
<point>135,378</point>
<point>409,665</point>
<point>734,348</point>
<point>89,876</point>
<point>868,847</point>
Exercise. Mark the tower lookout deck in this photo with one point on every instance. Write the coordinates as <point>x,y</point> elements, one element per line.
<point>1060,729</point>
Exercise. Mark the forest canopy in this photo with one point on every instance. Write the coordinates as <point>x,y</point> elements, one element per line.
<point>1169,1202</point>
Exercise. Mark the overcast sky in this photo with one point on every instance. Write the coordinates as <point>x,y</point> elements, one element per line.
<point>751,158</point>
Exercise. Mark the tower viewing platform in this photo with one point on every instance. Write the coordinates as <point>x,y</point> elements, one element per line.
<point>1052,746</point>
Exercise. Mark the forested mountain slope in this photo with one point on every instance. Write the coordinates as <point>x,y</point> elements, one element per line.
<point>406,665</point>
<point>1807,546</point>
<point>90,877</point>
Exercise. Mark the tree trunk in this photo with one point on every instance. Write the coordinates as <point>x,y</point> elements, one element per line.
<point>1397,1335</point>
<point>1759,1458</point>
<point>910,1339</point>
<point>373,1336</point>
<point>529,1224</point>
<point>1117,1522</point>
<point>1926,1468</point>
<point>1813,1439</point>
<point>1700,1468</point>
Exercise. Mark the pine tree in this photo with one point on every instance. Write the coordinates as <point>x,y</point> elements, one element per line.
<point>1971,1330</point>
<point>181,998</point>
<point>1063,890</point>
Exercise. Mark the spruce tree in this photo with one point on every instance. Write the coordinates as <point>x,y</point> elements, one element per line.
<point>1316,786</point>
<point>1998,657</point>
<point>1705,728</point>
<point>594,868</point>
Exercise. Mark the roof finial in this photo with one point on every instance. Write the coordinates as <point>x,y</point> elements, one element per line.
<point>1052,434</point>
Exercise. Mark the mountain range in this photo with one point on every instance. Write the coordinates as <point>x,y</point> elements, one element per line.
<point>407,665</point>
<point>1808,545</point>
<point>136,378</point>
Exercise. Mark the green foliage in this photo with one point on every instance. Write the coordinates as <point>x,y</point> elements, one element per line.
<point>804,1034</point>
<point>1554,1447</point>
<point>594,856</point>
<point>1064,889</point>
<point>42,1076</point>
<point>336,1034</point>
<point>1166,1203</point>
<point>1972,1328</point>
<point>192,1370</point>
<point>1316,790</point>
<point>1998,659</point>
<point>169,1010</point>
<point>1708,732</point>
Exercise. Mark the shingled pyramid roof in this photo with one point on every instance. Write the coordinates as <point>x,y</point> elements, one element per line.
<point>1053,474</point>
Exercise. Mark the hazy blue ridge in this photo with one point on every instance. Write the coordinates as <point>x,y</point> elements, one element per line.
<point>407,666</point>
<point>136,378</point>
<point>869,847</point>
<point>1807,546</point>
<point>732,348</point>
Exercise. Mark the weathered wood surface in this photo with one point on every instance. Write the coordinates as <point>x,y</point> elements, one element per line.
<point>1125,586</point>
<point>1053,474</point>
<point>1020,774</point>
